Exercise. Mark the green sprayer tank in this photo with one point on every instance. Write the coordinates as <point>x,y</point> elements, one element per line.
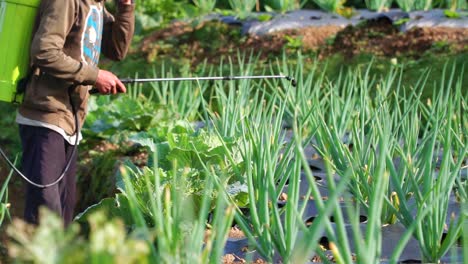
<point>16,23</point>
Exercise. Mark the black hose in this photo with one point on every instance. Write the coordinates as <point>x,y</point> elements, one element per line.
<point>67,166</point>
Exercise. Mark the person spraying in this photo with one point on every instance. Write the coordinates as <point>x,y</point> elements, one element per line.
<point>68,39</point>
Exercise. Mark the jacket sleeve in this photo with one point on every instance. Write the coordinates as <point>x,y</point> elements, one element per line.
<point>118,32</point>
<point>56,21</point>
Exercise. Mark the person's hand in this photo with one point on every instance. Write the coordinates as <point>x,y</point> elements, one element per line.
<point>108,83</point>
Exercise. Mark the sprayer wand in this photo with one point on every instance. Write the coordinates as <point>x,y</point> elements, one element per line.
<point>129,81</point>
<point>209,78</point>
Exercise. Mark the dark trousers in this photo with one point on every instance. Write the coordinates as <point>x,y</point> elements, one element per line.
<point>45,155</point>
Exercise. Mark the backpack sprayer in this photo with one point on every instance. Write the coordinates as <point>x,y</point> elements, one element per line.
<point>16,24</point>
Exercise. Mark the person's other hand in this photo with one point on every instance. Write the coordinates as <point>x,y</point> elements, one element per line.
<point>108,83</point>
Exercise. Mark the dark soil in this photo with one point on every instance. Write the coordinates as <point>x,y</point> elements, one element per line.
<point>381,37</point>
<point>212,41</point>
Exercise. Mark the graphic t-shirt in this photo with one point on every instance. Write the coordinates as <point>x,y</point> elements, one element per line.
<point>90,52</point>
<point>92,36</point>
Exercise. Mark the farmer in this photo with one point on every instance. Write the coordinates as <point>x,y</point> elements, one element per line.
<point>68,38</point>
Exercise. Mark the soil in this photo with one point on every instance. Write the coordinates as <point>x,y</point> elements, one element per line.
<point>379,37</point>
<point>236,233</point>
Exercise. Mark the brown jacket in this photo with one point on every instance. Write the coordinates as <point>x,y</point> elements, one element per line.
<point>65,51</point>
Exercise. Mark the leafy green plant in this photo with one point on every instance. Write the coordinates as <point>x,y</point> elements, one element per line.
<point>119,119</point>
<point>179,227</point>
<point>175,224</point>
<point>116,118</point>
<point>50,242</point>
<point>110,243</point>
<point>451,14</point>
<point>401,21</point>
<point>159,12</point>
<point>98,162</point>
<point>192,151</point>
<point>293,42</point>
<point>264,17</point>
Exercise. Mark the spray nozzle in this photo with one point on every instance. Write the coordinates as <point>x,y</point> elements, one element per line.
<point>292,80</point>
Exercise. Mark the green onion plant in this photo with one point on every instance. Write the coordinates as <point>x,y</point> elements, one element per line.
<point>378,5</point>
<point>205,6</point>
<point>411,5</point>
<point>456,4</point>
<point>4,206</point>
<point>263,155</point>
<point>242,7</point>
<point>329,5</point>
<point>423,5</point>
<point>356,113</point>
<point>270,161</point>
<point>432,173</point>
<point>361,157</point>
<point>283,5</point>
<point>406,5</point>
<point>183,98</point>
<point>231,101</point>
<point>349,130</point>
<point>303,100</point>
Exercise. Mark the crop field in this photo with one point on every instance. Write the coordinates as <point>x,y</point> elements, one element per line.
<point>358,163</point>
<point>324,170</point>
